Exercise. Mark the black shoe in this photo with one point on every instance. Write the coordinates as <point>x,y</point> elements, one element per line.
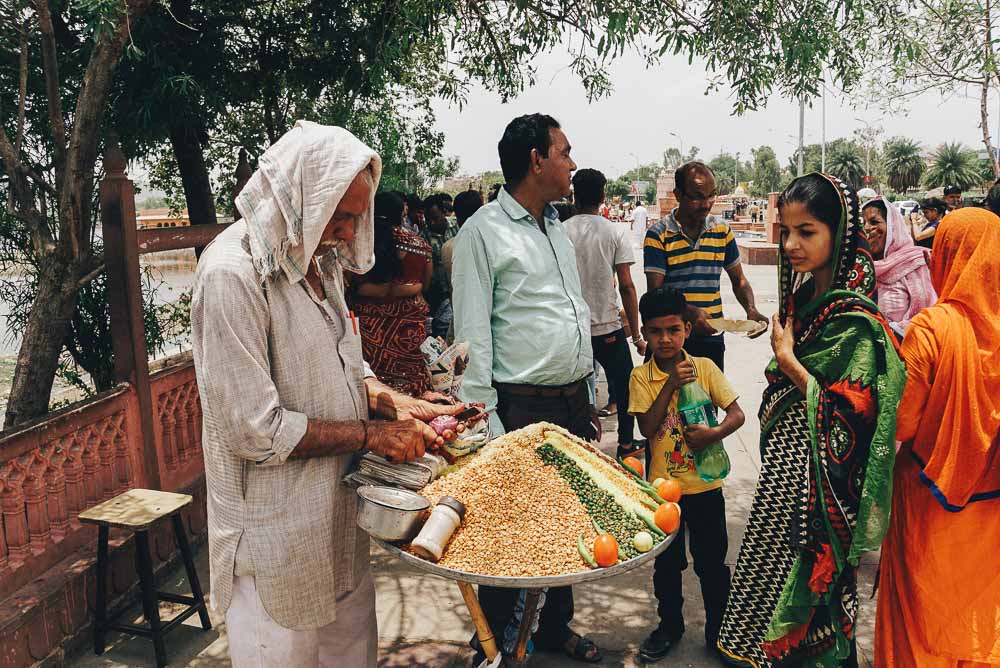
<point>657,645</point>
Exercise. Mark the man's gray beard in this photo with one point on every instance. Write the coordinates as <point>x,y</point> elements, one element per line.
<point>325,248</point>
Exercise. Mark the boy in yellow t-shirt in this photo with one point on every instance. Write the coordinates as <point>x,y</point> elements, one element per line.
<point>653,394</point>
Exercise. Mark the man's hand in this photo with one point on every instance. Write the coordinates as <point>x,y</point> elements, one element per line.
<point>400,440</point>
<point>756,316</point>
<point>683,374</point>
<point>700,324</point>
<point>699,436</point>
<point>640,346</point>
<point>595,421</point>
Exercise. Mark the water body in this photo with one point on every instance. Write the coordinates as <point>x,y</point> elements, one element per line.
<point>171,273</point>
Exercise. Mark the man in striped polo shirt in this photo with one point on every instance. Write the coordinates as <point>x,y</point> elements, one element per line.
<point>688,250</point>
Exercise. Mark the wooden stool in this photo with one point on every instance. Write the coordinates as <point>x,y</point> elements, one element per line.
<point>137,510</point>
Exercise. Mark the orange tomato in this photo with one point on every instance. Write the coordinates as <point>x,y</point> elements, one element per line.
<point>635,465</point>
<point>668,517</point>
<point>606,550</point>
<point>669,490</point>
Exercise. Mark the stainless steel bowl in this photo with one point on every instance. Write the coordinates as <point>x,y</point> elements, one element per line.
<point>390,514</point>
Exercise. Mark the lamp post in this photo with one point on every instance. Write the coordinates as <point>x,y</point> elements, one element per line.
<point>822,160</point>
<point>802,132</point>
<point>681,141</point>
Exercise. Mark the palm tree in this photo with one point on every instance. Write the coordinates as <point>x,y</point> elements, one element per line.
<point>953,165</point>
<point>903,164</point>
<point>847,163</point>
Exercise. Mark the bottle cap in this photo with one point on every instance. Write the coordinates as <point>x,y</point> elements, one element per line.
<point>454,504</point>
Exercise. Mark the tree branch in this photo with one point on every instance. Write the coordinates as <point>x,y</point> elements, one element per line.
<point>91,276</point>
<point>22,90</point>
<point>23,204</point>
<point>74,200</point>
<point>50,66</point>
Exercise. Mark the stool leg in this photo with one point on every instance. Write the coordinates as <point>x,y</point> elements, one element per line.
<point>181,537</point>
<point>100,605</point>
<point>150,606</point>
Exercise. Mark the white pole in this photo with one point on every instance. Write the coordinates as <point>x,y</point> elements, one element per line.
<point>802,131</point>
<point>823,150</point>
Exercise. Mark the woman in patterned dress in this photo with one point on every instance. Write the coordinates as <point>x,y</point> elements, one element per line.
<point>389,302</point>
<point>827,442</point>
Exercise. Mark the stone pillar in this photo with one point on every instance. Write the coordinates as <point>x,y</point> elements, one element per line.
<point>665,192</point>
<point>772,223</point>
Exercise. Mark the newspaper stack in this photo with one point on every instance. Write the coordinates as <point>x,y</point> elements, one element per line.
<point>374,469</point>
<point>446,365</point>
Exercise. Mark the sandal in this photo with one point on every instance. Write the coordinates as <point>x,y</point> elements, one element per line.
<point>605,412</point>
<point>583,649</point>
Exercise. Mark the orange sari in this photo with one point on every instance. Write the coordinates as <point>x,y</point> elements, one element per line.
<point>939,592</point>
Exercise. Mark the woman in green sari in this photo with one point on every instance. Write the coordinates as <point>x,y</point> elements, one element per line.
<point>828,425</point>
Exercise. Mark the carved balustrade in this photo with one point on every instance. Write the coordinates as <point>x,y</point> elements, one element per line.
<point>53,468</point>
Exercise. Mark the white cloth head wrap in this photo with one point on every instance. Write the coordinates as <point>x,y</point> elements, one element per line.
<point>289,200</point>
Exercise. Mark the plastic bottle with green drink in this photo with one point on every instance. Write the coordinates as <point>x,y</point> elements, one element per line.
<point>696,407</point>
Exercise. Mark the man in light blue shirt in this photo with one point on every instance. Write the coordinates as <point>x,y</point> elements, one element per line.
<point>519,305</point>
<point>516,290</point>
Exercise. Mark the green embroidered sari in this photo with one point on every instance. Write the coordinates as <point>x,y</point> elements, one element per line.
<point>825,486</point>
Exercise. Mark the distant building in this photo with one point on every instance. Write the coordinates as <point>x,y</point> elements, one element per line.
<point>156,218</point>
<point>151,219</point>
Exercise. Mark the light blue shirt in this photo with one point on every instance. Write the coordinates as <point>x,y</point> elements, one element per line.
<point>518,303</point>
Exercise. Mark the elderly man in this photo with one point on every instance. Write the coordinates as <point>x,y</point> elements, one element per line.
<point>286,399</point>
<point>519,304</point>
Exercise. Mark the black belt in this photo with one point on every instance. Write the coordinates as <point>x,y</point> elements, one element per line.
<point>519,390</point>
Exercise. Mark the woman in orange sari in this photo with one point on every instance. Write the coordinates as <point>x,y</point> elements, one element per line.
<point>939,593</point>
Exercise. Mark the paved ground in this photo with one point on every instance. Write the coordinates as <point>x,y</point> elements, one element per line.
<point>423,621</point>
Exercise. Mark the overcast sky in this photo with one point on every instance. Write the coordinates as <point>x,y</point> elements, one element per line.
<point>635,122</point>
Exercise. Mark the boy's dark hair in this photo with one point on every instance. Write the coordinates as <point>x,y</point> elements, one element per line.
<point>952,190</point>
<point>520,136</point>
<point>588,187</point>
<point>661,302</point>
<point>466,204</point>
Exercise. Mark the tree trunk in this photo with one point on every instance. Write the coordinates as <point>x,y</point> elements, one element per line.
<point>184,138</point>
<point>984,123</point>
<point>42,343</point>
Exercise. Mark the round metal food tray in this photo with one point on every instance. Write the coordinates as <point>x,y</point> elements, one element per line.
<point>589,575</point>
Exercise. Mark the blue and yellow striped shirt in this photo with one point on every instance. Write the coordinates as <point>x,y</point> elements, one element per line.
<point>695,269</point>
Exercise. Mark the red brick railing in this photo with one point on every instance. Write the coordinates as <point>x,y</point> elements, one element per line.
<point>53,468</point>
<point>144,433</point>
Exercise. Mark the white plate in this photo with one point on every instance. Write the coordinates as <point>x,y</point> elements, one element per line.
<point>748,327</point>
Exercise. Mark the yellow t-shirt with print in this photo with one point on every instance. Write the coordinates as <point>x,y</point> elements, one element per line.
<point>669,454</point>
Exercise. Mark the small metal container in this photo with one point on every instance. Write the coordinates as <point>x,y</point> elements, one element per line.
<point>390,514</point>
